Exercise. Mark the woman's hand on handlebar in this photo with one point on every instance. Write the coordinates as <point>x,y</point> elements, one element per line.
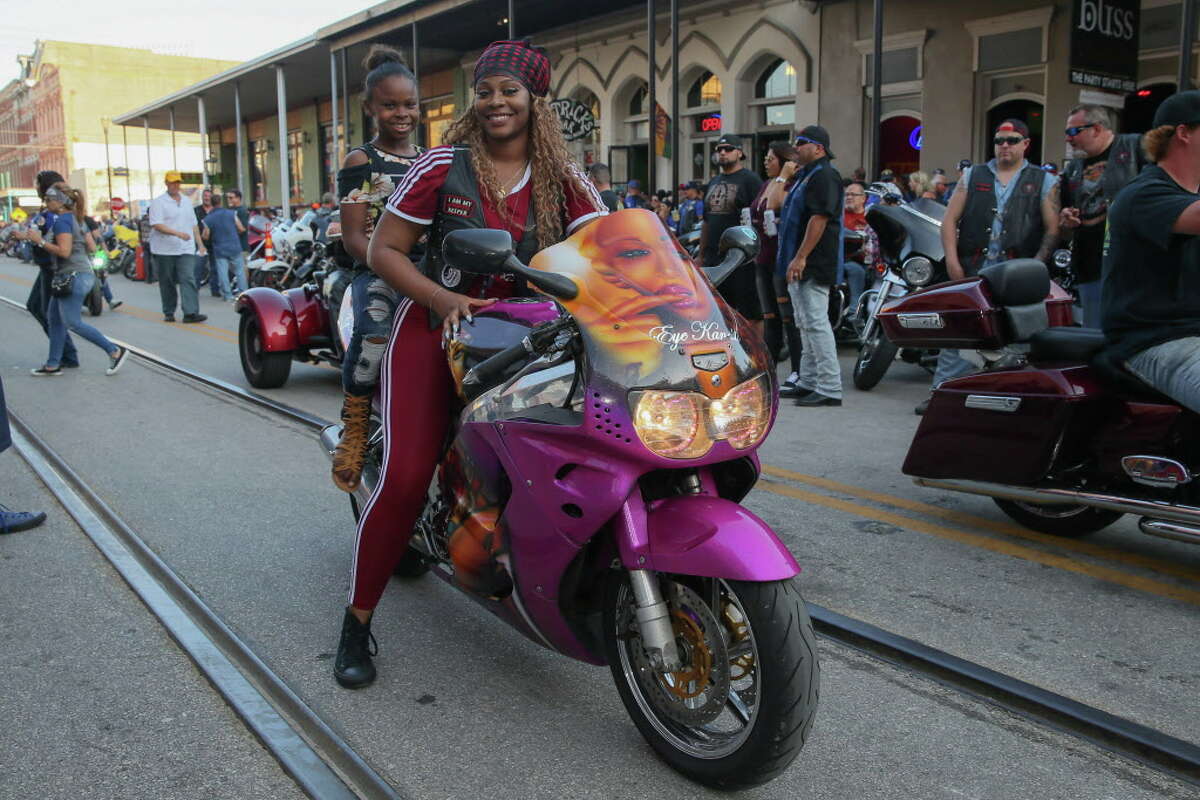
<point>453,307</point>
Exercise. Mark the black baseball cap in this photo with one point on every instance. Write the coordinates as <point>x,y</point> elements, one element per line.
<point>1013,126</point>
<point>731,140</point>
<point>815,134</point>
<point>964,164</point>
<point>1181,108</point>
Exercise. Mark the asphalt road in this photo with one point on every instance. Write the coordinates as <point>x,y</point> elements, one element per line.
<point>239,503</point>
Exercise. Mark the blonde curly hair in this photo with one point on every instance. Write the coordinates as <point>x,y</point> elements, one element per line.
<point>552,166</point>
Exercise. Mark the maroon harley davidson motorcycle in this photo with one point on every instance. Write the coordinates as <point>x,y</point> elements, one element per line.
<point>1066,444</point>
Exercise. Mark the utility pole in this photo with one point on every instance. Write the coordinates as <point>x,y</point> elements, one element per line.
<point>104,123</point>
<point>1187,35</point>
<point>876,159</point>
<point>651,103</point>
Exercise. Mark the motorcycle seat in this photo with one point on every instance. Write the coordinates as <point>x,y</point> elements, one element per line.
<point>1066,344</point>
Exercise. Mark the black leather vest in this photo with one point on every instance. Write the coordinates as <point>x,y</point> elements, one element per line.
<point>1125,161</point>
<point>1021,226</point>
<point>460,207</point>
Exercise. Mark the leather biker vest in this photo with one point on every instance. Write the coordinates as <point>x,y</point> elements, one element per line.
<point>1124,163</point>
<point>1021,226</point>
<point>460,207</point>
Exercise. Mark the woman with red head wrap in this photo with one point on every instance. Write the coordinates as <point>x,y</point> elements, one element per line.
<point>504,165</point>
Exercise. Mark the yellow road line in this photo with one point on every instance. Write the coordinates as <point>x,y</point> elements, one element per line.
<point>1108,574</point>
<point>963,518</point>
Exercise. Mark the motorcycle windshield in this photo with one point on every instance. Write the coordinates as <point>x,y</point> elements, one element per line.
<point>648,317</point>
<point>906,229</point>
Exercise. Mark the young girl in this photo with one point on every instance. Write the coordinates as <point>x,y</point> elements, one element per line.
<point>69,249</point>
<point>505,166</point>
<point>367,178</point>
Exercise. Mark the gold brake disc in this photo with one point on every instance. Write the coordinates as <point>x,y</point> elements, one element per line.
<point>691,682</point>
<point>743,665</point>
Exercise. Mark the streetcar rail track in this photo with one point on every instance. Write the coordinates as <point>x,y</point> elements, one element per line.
<point>1169,754</point>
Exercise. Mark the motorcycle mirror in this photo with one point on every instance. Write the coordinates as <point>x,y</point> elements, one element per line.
<point>487,251</point>
<point>480,251</point>
<point>738,245</point>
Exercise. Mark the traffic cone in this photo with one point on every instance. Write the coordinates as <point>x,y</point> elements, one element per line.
<point>268,247</point>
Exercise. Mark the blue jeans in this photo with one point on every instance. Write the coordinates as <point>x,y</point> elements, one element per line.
<point>374,304</point>
<point>64,313</point>
<point>819,368</point>
<point>38,305</point>
<point>179,270</point>
<point>223,266</point>
<point>1172,368</point>
<point>1089,300</point>
<point>855,276</point>
<point>951,365</point>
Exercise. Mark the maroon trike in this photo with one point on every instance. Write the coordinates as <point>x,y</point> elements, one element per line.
<point>1067,443</point>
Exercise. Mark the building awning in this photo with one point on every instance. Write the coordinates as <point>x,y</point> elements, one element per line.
<point>447,30</point>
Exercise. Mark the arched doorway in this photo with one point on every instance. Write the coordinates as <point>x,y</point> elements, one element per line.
<point>1140,106</point>
<point>900,144</point>
<point>1029,112</point>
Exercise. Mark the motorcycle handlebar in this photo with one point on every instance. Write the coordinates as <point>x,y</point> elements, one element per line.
<point>488,372</point>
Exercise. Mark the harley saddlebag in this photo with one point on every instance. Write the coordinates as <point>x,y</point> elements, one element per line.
<point>1007,426</point>
<point>1004,303</point>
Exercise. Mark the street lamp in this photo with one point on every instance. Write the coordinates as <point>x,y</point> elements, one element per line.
<point>104,123</point>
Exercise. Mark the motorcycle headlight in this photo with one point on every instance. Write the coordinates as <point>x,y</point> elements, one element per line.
<point>671,423</point>
<point>97,261</point>
<point>917,271</point>
<point>741,416</point>
<point>685,424</point>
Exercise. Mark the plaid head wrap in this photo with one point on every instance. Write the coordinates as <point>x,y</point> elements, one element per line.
<point>521,60</point>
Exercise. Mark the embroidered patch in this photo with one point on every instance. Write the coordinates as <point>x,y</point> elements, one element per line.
<point>1030,188</point>
<point>451,277</point>
<point>457,206</point>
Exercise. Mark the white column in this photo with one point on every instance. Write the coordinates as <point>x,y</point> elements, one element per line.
<point>149,165</point>
<point>281,104</point>
<point>174,156</point>
<point>201,111</point>
<point>240,133</point>
<point>334,162</point>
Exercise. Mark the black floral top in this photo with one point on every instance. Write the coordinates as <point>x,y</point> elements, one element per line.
<point>372,183</point>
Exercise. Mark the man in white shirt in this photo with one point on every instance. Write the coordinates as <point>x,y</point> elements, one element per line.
<point>174,243</point>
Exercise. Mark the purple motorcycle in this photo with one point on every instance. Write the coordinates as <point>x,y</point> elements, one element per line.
<point>589,494</point>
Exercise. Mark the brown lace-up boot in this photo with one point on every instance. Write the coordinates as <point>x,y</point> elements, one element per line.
<point>348,459</point>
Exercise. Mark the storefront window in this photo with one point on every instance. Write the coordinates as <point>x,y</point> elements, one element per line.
<point>777,80</point>
<point>637,104</point>
<point>329,156</point>
<point>436,116</point>
<point>295,155</point>
<point>258,163</point>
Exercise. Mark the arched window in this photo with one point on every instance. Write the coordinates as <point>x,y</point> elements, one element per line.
<point>637,103</point>
<point>777,80</point>
<point>705,91</point>
<point>776,83</point>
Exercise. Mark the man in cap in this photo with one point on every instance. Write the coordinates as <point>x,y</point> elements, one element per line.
<point>1004,209</point>
<point>727,203</point>
<point>1150,295</point>
<point>810,232</point>
<point>690,211</point>
<point>1104,164</point>
<point>174,244</point>
<point>633,195</point>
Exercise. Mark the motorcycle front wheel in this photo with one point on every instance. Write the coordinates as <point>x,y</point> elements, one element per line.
<point>740,708</point>
<point>875,356</point>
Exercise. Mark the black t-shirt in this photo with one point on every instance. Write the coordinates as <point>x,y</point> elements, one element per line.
<point>1151,289</point>
<point>724,200</point>
<point>611,200</point>
<point>823,196</point>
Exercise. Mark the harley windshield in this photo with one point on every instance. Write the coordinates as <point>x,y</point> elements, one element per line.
<point>649,318</point>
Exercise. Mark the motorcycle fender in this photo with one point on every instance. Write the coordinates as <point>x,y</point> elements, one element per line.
<point>276,318</point>
<point>701,535</point>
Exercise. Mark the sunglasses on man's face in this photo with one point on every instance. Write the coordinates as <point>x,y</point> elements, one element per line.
<point>801,141</point>
<point>1075,130</point>
<point>999,140</point>
<point>725,149</point>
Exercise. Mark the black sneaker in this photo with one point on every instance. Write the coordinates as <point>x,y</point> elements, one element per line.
<point>115,362</point>
<point>353,668</point>
<point>44,371</point>
<point>115,304</point>
<point>168,317</point>
<point>194,317</point>
<point>922,407</point>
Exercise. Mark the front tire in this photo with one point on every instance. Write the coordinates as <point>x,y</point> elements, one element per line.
<point>1059,519</point>
<point>95,300</point>
<point>263,369</point>
<point>740,710</point>
<point>875,356</point>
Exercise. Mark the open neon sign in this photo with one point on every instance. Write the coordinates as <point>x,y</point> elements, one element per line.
<point>914,138</point>
<point>711,123</point>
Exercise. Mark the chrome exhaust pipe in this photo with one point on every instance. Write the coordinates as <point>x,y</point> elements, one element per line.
<point>330,436</point>
<point>1156,510</point>
<point>1170,530</point>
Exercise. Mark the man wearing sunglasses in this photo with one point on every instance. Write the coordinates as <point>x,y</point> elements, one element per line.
<point>1104,164</point>
<point>727,203</point>
<point>1151,296</point>
<point>1004,209</point>
<point>809,250</point>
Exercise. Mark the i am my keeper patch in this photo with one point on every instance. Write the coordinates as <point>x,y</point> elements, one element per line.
<point>457,206</point>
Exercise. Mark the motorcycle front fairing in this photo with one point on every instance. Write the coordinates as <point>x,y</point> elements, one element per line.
<point>668,378</point>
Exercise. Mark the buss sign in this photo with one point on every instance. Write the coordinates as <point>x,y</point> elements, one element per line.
<point>1104,44</point>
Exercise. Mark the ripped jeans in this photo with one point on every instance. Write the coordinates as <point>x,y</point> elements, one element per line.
<point>374,305</point>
